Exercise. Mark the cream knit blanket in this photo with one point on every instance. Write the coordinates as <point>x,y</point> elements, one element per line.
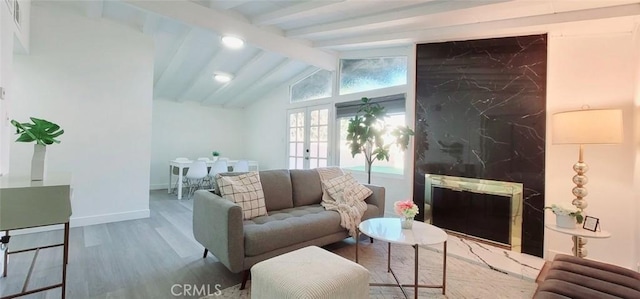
<point>342,193</point>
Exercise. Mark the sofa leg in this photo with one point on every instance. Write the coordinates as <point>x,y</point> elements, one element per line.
<point>205,253</point>
<point>245,276</point>
<point>371,240</point>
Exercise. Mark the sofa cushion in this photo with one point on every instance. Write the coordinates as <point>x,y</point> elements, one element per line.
<point>276,185</point>
<point>246,191</point>
<point>287,227</point>
<point>306,186</point>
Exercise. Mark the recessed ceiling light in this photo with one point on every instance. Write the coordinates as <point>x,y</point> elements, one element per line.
<point>222,77</point>
<point>232,42</point>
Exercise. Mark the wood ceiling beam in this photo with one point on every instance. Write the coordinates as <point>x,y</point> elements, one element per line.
<point>177,60</point>
<point>221,23</point>
<point>239,76</point>
<point>226,4</point>
<point>256,86</point>
<point>470,30</point>
<point>290,12</point>
<point>150,24</point>
<point>204,72</point>
<point>402,16</point>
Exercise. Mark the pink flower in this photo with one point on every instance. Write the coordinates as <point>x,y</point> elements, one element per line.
<point>405,208</point>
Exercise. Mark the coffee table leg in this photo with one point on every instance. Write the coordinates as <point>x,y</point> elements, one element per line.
<point>389,258</point>
<point>415,274</point>
<point>357,238</point>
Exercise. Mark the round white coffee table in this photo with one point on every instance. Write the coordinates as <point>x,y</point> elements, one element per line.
<point>389,230</point>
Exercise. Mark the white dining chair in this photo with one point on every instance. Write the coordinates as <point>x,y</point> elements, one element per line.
<point>241,166</point>
<point>195,175</point>
<point>175,171</point>
<point>218,167</point>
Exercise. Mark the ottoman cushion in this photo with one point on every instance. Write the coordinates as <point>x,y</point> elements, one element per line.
<point>310,272</point>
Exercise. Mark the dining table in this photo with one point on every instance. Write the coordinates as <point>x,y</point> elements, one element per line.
<point>184,164</point>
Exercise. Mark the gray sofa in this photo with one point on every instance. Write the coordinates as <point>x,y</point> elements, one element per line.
<point>574,277</point>
<point>295,220</point>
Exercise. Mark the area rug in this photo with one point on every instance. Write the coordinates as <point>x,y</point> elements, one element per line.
<point>464,279</point>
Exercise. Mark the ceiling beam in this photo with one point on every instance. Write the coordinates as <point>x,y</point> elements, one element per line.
<point>290,12</point>
<point>211,19</point>
<point>240,98</point>
<point>94,9</point>
<point>387,19</point>
<point>150,24</point>
<point>226,4</point>
<point>467,30</point>
<point>239,76</point>
<point>177,60</point>
<point>204,72</point>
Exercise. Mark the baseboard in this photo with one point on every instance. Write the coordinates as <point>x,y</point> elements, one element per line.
<point>158,186</point>
<point>88,220</point>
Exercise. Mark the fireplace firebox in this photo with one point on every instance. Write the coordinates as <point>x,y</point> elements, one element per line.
<point>486,210</point>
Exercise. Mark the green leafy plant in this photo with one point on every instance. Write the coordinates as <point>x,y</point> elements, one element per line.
<point>366,131</point>
<point>41,131</point>
<point>565,210</point>
<point>215,153</point>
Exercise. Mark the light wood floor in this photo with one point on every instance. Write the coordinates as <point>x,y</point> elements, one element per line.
<point>129,259</point>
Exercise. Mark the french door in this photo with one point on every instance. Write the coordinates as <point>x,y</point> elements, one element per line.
<point>309,137</point>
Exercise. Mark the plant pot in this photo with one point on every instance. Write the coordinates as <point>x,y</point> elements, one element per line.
<point>565,221</point>
<point>406,223</point>
<point>215,158</point>
<point>38,165</point>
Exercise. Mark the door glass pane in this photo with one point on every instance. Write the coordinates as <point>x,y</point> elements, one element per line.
<point>300,119</point>
<point>292,120</point>
<point>299,163</point>
<point>322,150</point>
<point>300,134</point>
<point>324,116</point>
<point>292,134</point>
<point>314,134</point>
<point>313,163</point>
<point>322,163</point>
<point>314,118</point>
<point>314,149</point>
<point>299,149</point>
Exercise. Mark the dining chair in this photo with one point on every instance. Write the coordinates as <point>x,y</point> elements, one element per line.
<point>176,170</point>
<point>218,167</point>
<point>241,166</point>
<point>195,175</point>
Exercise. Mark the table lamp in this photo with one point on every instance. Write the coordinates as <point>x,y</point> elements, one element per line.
<point>597,126</point>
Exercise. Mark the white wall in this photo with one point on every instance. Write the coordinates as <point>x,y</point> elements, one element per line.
<point>192,130</point>
<point>94,78</point>
<point>599,71</point>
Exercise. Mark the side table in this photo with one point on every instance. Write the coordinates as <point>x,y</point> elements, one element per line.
<point>578,236</point>
<point>26,204</point>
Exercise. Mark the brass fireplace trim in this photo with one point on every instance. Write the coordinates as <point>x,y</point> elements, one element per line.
<point>501,188</point>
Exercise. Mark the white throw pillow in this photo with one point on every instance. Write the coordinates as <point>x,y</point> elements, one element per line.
<point>328,173</point>
<point>246,191</point>
<point>335,187</point>
<point>356,192</point>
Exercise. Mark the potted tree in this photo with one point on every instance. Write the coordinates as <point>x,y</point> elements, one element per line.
<point>366,131</point>
<point>43,133</point>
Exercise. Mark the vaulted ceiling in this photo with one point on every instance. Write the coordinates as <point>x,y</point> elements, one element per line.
<point>288,40</point>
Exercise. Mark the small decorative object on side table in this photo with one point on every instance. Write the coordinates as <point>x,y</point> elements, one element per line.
<point>591,223</point>
<point>566,216</point>
<point>407,211</point>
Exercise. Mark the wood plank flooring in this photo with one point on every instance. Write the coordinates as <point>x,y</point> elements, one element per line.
<point>130,259</point>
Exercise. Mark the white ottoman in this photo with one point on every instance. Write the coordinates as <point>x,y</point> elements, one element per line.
<point>310,272</point>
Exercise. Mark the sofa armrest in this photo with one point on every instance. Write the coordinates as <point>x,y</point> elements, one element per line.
<point>377,198</point>
<point>218,226</point>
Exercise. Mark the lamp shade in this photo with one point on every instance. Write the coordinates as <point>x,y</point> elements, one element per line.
<point>597,126</point>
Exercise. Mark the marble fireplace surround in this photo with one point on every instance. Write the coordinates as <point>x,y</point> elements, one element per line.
<point>512,190</point>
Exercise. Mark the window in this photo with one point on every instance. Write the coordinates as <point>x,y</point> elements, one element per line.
<point>394,106</point>
<point>318,85</point>
<point>358,75</point>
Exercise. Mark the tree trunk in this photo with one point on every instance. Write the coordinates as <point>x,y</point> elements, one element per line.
<point>368,169</point>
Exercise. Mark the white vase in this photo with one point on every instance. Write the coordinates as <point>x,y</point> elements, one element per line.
<point>406,223</point>
<point>38,162</point>
<point>215,158</point>
<point>565,221</point>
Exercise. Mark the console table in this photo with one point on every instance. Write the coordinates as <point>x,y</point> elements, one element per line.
<point>27,204</point>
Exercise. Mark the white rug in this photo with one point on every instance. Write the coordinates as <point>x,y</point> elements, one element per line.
<point>464,279</point>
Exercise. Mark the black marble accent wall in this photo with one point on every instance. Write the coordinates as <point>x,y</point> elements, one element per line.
<point>480,113</point>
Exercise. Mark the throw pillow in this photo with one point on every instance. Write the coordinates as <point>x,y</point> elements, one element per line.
<point>335,187</point>
<point>356,192</point>
<point>327,173</point>
<point>246,191</point>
